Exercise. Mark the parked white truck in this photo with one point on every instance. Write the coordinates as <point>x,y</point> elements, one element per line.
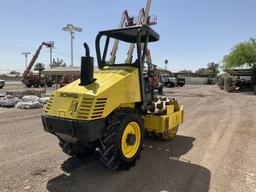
<point>2,83</point>
<point>171,81</point>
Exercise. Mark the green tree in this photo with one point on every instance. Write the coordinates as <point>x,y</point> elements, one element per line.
<point>39,67</point>
<point>202,72</point>
<point>186,73</point>
<point>213,69</point>
<point>14,72</point>
<point>58,63</point>
<point>242,54</point>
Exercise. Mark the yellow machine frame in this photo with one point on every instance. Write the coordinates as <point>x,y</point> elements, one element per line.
<point>165,124</point>
<point>97,100</point>
<point>109,108</point>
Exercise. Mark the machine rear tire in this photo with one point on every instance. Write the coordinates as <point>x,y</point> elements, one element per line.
<point>121,147</point>
<point>75,149</point>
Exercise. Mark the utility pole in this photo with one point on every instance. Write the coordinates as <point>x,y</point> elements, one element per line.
<point>72,37</point>
<point>26,57</point>
<point>51,46</point>
<point>71,29</point>
<point>50,56</point>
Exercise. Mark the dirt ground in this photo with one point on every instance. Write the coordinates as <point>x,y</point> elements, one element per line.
<point>215,150</point>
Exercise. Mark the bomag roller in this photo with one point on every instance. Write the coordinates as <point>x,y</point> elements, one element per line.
<point>110,109</point>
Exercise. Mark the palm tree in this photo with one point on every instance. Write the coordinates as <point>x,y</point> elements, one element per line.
<point>39,67</point>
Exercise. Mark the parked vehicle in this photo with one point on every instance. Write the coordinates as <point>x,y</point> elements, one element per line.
<point>181,82</point>
<point>2,83</point>
<point>36,81</point>
<point>168,81</point>
<point>29,79</point>
<point>110,109</point>
<point>243,83</point>
<point>171,81</point>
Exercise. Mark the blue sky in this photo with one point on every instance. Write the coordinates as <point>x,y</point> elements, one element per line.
<point>192,32</point>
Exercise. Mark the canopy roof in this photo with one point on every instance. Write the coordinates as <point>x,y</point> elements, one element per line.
<point>129,34</point>
<point>239,72</point>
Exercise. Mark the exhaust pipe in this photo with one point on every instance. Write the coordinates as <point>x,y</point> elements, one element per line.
<point>87,68</point>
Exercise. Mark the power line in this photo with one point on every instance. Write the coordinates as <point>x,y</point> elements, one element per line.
<point>17,46</point>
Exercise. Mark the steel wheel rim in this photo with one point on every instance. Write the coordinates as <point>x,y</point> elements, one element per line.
<point>130,150</point>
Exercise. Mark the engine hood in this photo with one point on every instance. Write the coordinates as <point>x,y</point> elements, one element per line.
<point>104,79</point>
<point>113,86</point>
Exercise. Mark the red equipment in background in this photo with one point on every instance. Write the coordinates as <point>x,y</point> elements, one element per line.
<point>29,79</point>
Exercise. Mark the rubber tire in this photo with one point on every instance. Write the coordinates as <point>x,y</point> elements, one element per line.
<point>110,146</point>
<point>75,149</point>
<point>169,85</point>
<point>35,85</point>
<point>160,90</point>
<point>49,84</point>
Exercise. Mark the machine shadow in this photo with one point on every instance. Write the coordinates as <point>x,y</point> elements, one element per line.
<point>157,170</point>
<point>177,147</point>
